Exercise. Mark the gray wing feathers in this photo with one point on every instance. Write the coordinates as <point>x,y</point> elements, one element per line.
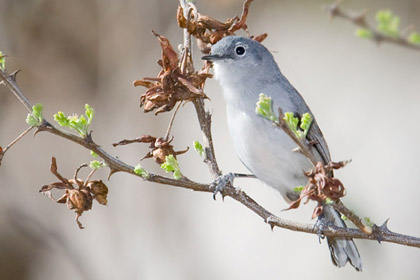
<point>342,250</point>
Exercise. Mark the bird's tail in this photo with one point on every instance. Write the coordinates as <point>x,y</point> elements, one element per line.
<point>342,250</point>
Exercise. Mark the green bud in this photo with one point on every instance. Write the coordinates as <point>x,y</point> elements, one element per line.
<point>264,108</point>
<point>305,123</point>
<point>141,171</point>
<point>93,154</point>
<point>171,165</point>
<point>364,33</point>
<point>2,62</point>
<point>80,124</point>
<point>94,164</point>
<point>368,222</point>
<point>292,123</point>
<point>61,119</point>
<point>35,118</point>
<point>388,23</point>
<point>414,38</point>
<point>89,113</point>
<point>198,148</point>
<point>298,189</point>
<point>328,201</point>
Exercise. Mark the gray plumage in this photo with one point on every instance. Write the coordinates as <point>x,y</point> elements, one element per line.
<point>245,68</point>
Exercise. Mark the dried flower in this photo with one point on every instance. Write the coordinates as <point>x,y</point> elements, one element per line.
<point>321,186</point>
<point>172,85</point>
<point>208,31</point>
<point>159,147</point>
<point>78,194</point>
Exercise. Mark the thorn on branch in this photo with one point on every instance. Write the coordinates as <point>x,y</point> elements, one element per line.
<point>112,172</point>
<point>13,76</point>
<point>378,231</point>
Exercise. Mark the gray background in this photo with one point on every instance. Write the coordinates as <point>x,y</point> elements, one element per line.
<point>366,99</point>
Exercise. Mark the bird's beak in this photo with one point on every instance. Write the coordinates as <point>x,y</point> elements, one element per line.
<point>213,57</point>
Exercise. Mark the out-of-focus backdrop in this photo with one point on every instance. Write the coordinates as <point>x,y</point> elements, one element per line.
<point>366,99</point>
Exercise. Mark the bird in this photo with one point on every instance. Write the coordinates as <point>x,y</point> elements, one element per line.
<point>245,69</point>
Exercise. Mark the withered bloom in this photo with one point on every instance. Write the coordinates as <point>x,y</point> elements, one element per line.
<point>159,147</point>
<point>208,31</point>
<point>321,185</point>
<point>79,195</point>
<point>171,85</point>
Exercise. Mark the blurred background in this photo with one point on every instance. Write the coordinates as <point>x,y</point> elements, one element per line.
<point>366,99</point>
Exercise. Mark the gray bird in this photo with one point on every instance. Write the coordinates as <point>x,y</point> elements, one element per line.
<point>245,68</point>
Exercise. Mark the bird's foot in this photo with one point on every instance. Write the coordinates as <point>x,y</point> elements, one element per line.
<point>223,180</point>
<point>220,183</point>
<point>319,226</point>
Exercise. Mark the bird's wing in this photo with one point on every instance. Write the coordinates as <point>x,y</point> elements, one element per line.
<point>315,134</point>
<point>297,105</point>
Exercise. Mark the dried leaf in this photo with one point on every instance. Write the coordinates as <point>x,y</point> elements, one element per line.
<point>241,23</point>
<point>143,83</point>
<point>208,31</point>
<point>172,85</point>
<point>169,56</point>
<point>260,37</point>
<point>99,190</point>
<point>189,86</point>
<point>321,185</point>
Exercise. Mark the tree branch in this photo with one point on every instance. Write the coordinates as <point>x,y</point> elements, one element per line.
<point>381,233</point>
<point>204,117</point>
<point>360,20</point>
<point>10,82</point>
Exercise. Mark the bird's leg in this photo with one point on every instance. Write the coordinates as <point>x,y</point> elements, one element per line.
<point>220,183</point>
<point>320,224</point>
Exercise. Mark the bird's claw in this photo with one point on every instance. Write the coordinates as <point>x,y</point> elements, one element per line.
<point>220,183</point>
<point>319,226</point>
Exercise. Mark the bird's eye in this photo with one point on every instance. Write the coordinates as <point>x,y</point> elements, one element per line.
<point>239,50</point>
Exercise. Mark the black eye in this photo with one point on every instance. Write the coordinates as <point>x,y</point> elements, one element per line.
<point>240,50</point>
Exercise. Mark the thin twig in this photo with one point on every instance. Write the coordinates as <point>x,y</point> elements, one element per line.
<point>90,176</point>
<point>10,82</point>
<point>360,20</point>
<point>186,60</point>
<point>16,139</point>
<point>75,177</point>
<point>340,207</point>
<point>303,148</point>
<point>171,122</point>
<point>204,117</point>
